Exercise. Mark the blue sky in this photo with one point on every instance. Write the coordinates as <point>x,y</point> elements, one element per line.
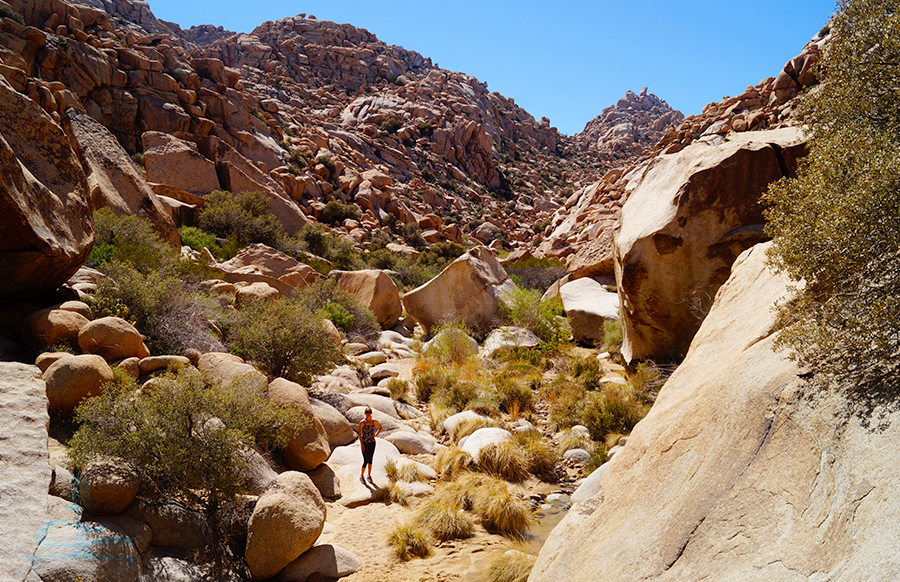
<point>569,59</point>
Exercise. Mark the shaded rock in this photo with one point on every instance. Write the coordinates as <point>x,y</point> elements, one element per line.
<point>382,371</point>
<point>108,486</point>
<point>307,448</point>
<point>326,560</point>
<point>47,228</point>
<point>684,224</point>
<point>113,338</point>
<point>337,427</point>
<point>172,524</point>
<point>579,455</point>
<point>508,337</point>
<point>111,176</point>
<point>373,289</point>
<point>468,290</point>
<point>326,481</point>
<point>71,380</point>
<point>52,326</point>
<point>61,555</point>
<point>258,473</point>
<point>178,163</point>
<point>164,565</point>
<point>286,522</point>
<point>587,306</point>
<point>24,470</point>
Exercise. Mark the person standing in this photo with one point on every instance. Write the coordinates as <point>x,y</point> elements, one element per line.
<point>369,428</point>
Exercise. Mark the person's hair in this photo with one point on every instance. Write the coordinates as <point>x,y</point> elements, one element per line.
<point>368,411</point>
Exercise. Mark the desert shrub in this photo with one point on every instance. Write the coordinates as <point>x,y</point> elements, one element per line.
<point>412,234</point>
<point>298,158</point>
<point>335,249</point>
<point>588,371</point>
<point>327,161</point>
<point>542,457</point>
<point>428,381</point>
<point>536,274</point>
<point>525,308</point>
<point>470,425</point>
<point>426,129</point>
<point>511,566</point>
<point>453,461</point>
<point>499,510</point>
<point>398,388</point>
<point>335,211</point>
<point>612,335</point>
<point>326,297</point>
<point>456,394</point>
<point>521,355</point>
<point>197,239</point>
<point>284,337</point>
<point>451,345</point>
<point>187,437</point>
<point>409,472</point>
<point>648,377</point>
<point>562,397</point>
<point>575,440</point>
<point>615,409</point>
<point>391,493</point>
<point>408,541</point>
<point>444,521</point>
<point>391,125</point>
<point>514,395</point>
<point>128,239</point>
<point>598,457</point>
<point>244,217</point>
<point>506,460</point>
<point>7,12</point>
<point>484,404</point>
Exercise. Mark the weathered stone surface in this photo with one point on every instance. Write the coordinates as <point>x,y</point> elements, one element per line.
<point>71,380</point>
<point>683,226</point>
<point>508,337</point>
<point>741,471</point>
<point>587,305</point>
<point>86,551</point>
<point>327,561</point>
<point>483,437</point>
<point>337,427</point>
<point>47,359</point>
<point>113,338</point>
<point>111,176</point>
<point>308,448</point>
<point>47,228</point>
<point>178,163</point>
<point>373,289</point>
<point>154,363</point>
<point>411,443</point>
<point>52,326</point>
<point>108,486</point>
<point>468,290</point>
<point>286,522</point>
<point>172,525</point>
<point>24,466</point>
<point>227,367</point>
<point>326,481</point>
<point>450,343</point>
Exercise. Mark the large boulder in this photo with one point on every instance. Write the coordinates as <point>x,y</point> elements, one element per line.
<point>52,326</point>
<point>113,338</point>
<point>691,214</point>
<point>508,337</point>
<point>226,368</point>
<point>337,427</point>
<point>347,462</point>
<point>71,380</point>
<point>287,520</point>
<point>113,180</point>
<point>171,524</point>
<point>587,306</point>
<point>24,468</point>
<point>307,448</point>
<point>61,556</point>
<point>108,486</point>
<point>178,163</point>
<point>326,561</point>
<point>47,228</point>
<point>373,289</point>
<point>742,470</point>
<point>468,290</point>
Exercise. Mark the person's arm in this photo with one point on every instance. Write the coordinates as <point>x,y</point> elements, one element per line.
<point>378,424</point>
<point>362,445</point>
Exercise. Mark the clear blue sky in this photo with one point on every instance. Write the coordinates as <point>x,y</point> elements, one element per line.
<point>566,60</point>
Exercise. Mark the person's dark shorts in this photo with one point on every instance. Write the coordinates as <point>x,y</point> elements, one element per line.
<point>368,453</point>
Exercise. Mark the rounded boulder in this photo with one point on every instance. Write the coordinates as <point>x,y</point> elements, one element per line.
<point>113,338</point>
<point>108,486</point>
<point>71,380</point>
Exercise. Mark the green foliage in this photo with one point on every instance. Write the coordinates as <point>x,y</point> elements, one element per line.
<point>335,249</point>
<point>612,335</point>
<point>128,239</point>
<point>525,308</point>
<point>298,158</point>
<point>541,457</point>
<point>534,273</point>
<point>835,225</point>
<point>7,12</point>
<point>187,436</point>
<point>426,129</point>
<point>398,388</point>
<point>598,457</point>
<point>615,409</point>
<point>197,239</point>
<point>412,234</point>
<point>327,161</point>
<point>338,315</point>
<point>335,211</point>
<point>326,297</point>
<point>284,337</point>
<point>391,125</point>
<point>244,217</point>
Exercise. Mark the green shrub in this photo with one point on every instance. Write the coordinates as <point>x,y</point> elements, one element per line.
<point>7,12</point>
<point>412,234</point>
<point>588,371</point>
<point>128,239</point>
<point>612,335</point>
<point>451,345</point>
<point>598,457</point>
<point>484,404</point>
<point>187,437</point>
<point>408,541</point>
<point>536,274</point>
<point>284,337</point>
<point>525,308</point>
<point>562,397</point>
<point>391,125</point>
<point>426,129</point>
<point>615,409</point>
<point>197,239</point>
<point>298,158</point>
<point>327,161</point>
<point>398,388</point>
<point>338,212</point>
<point>338,315</point>
<point>337,250</point>
<point>245,217</point>
<point>514,395</point>
<point>327,297</point>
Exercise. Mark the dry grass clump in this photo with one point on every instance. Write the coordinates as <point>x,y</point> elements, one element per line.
<point>514,395</point>
<point>391,493</point>
<point>506,460</point>
<point>575,440</point>
<point>542,458</point>
<point>470,425</point>
<point>408,472</point>
<point>511,566</point>
<point>485,405</point>
<point>598,457</point>
<point>615,409</point>
<point>444,519</point>
<point>499,510</point>
<point>452,461</point>
<point>398,388</point>
<point>409,541</point>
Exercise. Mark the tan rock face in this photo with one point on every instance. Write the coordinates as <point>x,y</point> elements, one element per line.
<point>227,367</point>
<point>373,289</point>
<point>467,290</point>
<point>71,380</point>
<point>108,486</point>
<point>51,326</point>
<point>741,471</point>
<point>308,448</point>
<point>113,338</point>
<point>112,178</point>
<point>684,224</point>
<point>178,163</point>
<point>287,520</point>
<point>47,227</point>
